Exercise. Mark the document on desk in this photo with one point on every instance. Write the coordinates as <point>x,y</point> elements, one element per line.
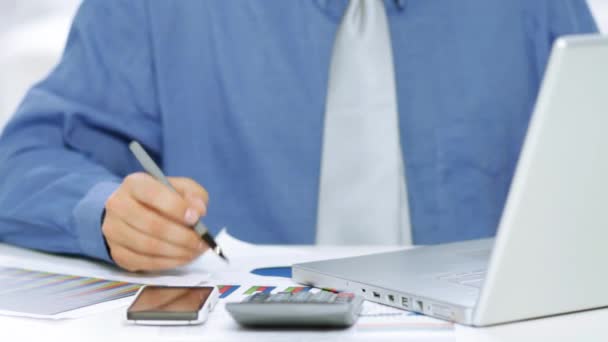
<point>245,256</point>
<point>39,294</point>
<point>11,256</point>
<point>41,285</point>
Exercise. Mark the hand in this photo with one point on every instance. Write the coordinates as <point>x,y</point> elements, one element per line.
<point>148,226</point>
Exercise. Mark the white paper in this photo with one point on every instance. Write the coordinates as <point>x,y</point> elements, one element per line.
<point>245,256</point>
<point>82,312</point>
<point>377,316</point>
<point>37,261</point>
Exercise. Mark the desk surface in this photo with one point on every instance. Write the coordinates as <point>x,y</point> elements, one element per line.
<point>110,325</point>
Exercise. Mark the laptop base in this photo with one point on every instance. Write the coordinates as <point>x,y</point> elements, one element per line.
<point>395,278</point>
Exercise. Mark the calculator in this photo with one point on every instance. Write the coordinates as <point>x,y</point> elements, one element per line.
<point>322,309</point>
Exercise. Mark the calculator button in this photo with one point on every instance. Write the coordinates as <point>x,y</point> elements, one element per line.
<point>323,297</point>
<point>319,297</point>
<point>279,297</point>
<point>300,297</point>
<point>346,294</point>
<point>258,298</point>
<point>345,297</point>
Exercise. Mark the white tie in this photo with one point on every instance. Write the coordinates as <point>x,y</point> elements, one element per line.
<point>362,195</point>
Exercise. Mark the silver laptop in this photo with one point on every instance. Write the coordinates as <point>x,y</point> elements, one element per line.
<point>549,255</point>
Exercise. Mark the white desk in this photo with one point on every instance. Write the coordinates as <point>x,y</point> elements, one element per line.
<point>110,326</point>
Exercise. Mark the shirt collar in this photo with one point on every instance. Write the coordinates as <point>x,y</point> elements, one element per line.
<point>335,8</point>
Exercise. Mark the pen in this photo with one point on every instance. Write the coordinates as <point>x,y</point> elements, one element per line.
<point>150,166</point>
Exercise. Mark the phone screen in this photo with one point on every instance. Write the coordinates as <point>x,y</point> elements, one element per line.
<point>162,299</point>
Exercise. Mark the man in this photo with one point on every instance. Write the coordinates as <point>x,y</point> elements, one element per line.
<point>232,95</point>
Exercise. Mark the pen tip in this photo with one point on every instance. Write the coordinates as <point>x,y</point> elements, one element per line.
<point>220,253</point>
<point>224,257</point>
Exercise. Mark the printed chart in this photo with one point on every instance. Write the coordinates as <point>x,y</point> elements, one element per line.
<point>228,290</point>
<point>44,293</point>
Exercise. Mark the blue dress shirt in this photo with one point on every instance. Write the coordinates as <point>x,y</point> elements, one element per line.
<point>232,94</point>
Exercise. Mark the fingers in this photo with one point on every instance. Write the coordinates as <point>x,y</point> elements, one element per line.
<point>189,188</point>
<point>150,192</point>
<point>193,192</point>
<point>119,231</point>
<point>148,226</point>
<point>157,226</point>
<point>133,262</point>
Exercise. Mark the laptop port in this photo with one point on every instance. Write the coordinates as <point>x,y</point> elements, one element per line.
<point>442,311</point>
<point>391,298</point>
<point>376,294</point>
<point>405,302</point>
<point>419,306</point>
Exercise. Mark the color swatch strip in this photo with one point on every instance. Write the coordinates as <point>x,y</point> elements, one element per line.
<point>296,289</point>
<point>46,293</point>
<point>227,290</point>
<point>263,289</point>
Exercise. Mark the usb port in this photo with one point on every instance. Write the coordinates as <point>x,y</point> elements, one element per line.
<point>376,294</point>
<point>391,298</point>
<point>405,302</point>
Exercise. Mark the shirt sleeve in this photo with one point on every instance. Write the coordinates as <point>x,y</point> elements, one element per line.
<point>65,150</point>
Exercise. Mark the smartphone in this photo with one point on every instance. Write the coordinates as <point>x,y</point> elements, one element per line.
<point>172,305</point>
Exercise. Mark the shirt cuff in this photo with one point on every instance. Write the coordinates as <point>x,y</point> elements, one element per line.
<point>87,216</point>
